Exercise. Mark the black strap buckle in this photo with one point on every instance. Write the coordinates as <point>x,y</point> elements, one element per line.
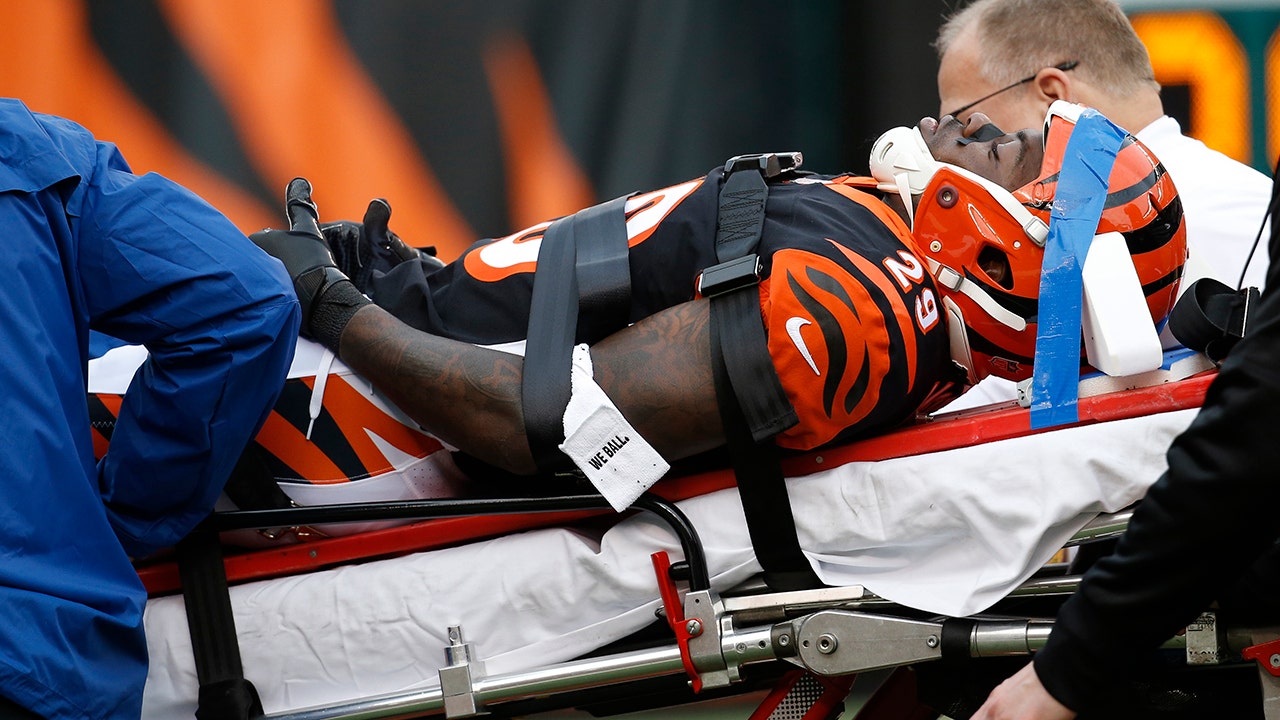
<point>729,276</point>
<point>769,164</point>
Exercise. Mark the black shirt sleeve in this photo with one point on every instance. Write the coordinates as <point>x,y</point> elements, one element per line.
<point>1208,518</point>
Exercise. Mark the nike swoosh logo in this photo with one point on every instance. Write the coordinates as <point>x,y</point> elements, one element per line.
<point>793,331</point>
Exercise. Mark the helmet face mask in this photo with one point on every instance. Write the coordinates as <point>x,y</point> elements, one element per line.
<point>987,252</point>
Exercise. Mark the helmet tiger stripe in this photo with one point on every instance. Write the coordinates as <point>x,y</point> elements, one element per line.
<point>964,228</point>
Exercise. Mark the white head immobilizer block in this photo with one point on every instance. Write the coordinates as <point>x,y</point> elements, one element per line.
<point>1119,337</point>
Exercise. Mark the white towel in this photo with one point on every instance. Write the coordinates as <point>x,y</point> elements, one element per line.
<point>602,444</point>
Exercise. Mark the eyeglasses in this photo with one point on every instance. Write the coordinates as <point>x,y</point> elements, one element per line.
<point>1064,67</point>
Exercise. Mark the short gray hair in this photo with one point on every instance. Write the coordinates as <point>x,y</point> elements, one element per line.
<point>1023,36</point>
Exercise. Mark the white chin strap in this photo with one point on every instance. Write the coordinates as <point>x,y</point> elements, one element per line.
<point>956,282</point>
<point>958,337</point>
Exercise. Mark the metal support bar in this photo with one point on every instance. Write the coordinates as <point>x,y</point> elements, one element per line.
<point>840,642</point>
<point>773,607</point>
<point>827,642</point>
<point>1003,638</point>
<point>434,509</point>
<point>747,646</point>
<point>1103,527</point>
<point>399,510</point>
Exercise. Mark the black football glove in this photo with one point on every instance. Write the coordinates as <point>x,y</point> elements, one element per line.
<point>360,248</point>
<point>327,296</point>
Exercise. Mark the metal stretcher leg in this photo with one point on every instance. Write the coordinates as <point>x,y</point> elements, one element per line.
<point>827,633</point>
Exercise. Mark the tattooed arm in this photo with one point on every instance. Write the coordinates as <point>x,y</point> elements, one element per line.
<point>658,372</point>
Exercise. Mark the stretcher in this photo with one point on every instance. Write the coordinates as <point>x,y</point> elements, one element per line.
<point>418,596</point>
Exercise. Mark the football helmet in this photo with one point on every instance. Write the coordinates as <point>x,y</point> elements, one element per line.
<point>985,245</point>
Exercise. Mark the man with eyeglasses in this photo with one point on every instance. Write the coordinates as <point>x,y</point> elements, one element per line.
<point>1010,59</point>
<point>1205,532</point>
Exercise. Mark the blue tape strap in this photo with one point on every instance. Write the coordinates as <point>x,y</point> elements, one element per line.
<point>1077,206</point>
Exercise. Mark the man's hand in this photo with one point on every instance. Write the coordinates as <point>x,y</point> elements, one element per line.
<point>1022,697</point>
<point>327,296</point>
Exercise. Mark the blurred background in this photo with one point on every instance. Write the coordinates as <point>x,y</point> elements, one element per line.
<point>475,119</point>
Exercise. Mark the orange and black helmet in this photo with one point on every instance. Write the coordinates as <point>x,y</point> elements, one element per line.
<point>986,245</point>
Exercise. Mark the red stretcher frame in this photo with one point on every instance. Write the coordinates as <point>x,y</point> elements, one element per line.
<point>953,430</point>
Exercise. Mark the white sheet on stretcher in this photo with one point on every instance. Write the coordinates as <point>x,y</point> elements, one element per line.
<point>948,533</point>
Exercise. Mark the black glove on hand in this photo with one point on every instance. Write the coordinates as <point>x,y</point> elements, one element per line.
<point>327,296</point>
<point>360,248</point>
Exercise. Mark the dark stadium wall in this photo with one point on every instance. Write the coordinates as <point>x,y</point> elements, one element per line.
<point>478,118</point>
<point>473,118</point>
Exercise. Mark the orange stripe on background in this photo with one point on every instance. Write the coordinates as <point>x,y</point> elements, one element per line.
<point>304,106</point>
<point>1199,49</point>
<point>543,179</point>
<point>357,416</point>
<point>51,63</point>
<point>1272,84</point>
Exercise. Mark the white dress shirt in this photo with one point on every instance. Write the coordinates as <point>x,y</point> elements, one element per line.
<point>1224,202</point>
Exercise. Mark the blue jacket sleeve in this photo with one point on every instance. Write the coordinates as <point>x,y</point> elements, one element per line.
<point>159,267</point>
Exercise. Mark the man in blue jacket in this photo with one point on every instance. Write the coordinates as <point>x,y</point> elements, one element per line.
<point>90,245</point>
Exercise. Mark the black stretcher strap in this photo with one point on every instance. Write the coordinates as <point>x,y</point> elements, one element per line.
<point>739,227</point>
<point>1212,317</point>
<point>757,469</point>
<point>603,271</point>
<point>753,406</point>
<point>224,694</point>
<point>586,250</point>
<point>740,216</point>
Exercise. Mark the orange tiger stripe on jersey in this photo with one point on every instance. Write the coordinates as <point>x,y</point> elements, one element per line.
<point>100,443</point>
<point>357,417</point>
<point>280,438</point>
<point>860,327</point>
<point>906,321</point>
